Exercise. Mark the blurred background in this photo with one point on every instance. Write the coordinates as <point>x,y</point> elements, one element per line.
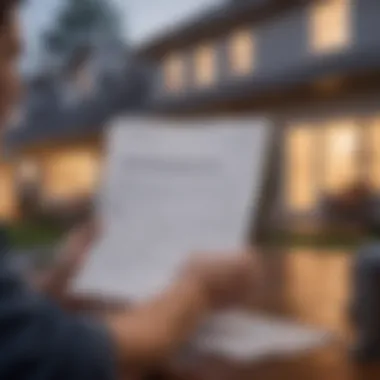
<point>312,67</point>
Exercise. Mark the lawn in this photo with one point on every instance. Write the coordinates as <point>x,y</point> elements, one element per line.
<point>29,235</point>
<point>343,240</point>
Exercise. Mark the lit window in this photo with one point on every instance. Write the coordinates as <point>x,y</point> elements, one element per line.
<point>241,52</point>
<point>71,174</point>
<point>341,149</point>
<point>300,168</point>
<point>374,153</point>
<point>204,65</point>
<point>8,201</point>
<point>330,25</point>
<point>174,73</point>
<point>28,171</point>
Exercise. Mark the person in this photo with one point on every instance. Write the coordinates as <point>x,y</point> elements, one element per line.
<point>40,341</point>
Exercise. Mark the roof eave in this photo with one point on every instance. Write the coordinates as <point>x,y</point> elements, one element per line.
<point>211,23</point>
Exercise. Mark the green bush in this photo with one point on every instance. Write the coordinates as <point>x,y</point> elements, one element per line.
<point>28,235</point>
<point>322,240</point>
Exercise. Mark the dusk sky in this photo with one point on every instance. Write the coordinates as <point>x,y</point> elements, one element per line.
<point>142,18</point>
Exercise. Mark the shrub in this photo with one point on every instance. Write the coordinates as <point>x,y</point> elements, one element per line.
<point>356,205</point>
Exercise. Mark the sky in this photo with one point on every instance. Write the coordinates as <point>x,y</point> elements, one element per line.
<point>146,17</point>
<point>141,19</point>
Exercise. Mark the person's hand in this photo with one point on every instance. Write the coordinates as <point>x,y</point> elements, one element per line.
<point>154,329</point>
<point>74,248</point>
<point>227,279</point>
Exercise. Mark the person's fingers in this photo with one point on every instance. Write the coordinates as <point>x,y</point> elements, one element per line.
<point>76,246</point>
<point>86,233</point>
<point>230,278</point>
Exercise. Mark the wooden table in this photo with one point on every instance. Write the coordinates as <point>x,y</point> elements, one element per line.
<point>310,286</point>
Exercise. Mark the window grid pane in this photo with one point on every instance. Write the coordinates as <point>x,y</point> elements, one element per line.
<point>174,72</point>
<point>341,155</point>
<point>241,52</point>
<point>8,202</point>
<point>374,150</point>
<point>71,174</point>
<point>204,64</point>
<point>330,25</point>
<point>300,168</point>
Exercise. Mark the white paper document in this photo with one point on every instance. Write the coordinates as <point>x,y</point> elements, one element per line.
<point>242,336</point>
<point>171,190</point>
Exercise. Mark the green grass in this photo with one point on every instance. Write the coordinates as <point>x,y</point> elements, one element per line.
<point>33,234</point>
<point>29,235</point>
<point>323,240</point>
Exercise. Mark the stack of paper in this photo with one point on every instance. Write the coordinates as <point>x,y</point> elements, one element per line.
<point>245,336</point>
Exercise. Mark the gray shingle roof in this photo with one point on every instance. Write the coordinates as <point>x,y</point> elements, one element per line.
<point>216,20</point>
<point>125,91</point>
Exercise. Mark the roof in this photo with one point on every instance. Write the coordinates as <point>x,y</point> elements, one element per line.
<point>213,22</point>
<point>87,117</point>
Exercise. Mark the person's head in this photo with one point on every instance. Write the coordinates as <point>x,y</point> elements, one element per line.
<point>10,47</point>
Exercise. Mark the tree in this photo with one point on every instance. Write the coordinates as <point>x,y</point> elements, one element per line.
<point>81,23</point>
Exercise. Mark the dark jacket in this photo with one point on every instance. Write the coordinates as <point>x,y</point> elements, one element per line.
<point>38,341</point>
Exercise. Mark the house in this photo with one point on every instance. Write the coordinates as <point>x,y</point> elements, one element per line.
<point>312,66</point>
<point>53,152</point>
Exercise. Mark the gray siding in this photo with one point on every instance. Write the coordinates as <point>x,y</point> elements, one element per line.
<point>283,41</point>
<point>366,21</point>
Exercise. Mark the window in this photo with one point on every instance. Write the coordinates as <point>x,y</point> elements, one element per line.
<point>241,52</point>
<point>28,171</point>
<point>374,153</point>
<point>174,73</point>
<point>330,25</point>
<point>341,155</point>
<point>329,158</point>
<point>70,174</point>
<point>300,168</point>
<point>204,65</point>
<point>8,202</point>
